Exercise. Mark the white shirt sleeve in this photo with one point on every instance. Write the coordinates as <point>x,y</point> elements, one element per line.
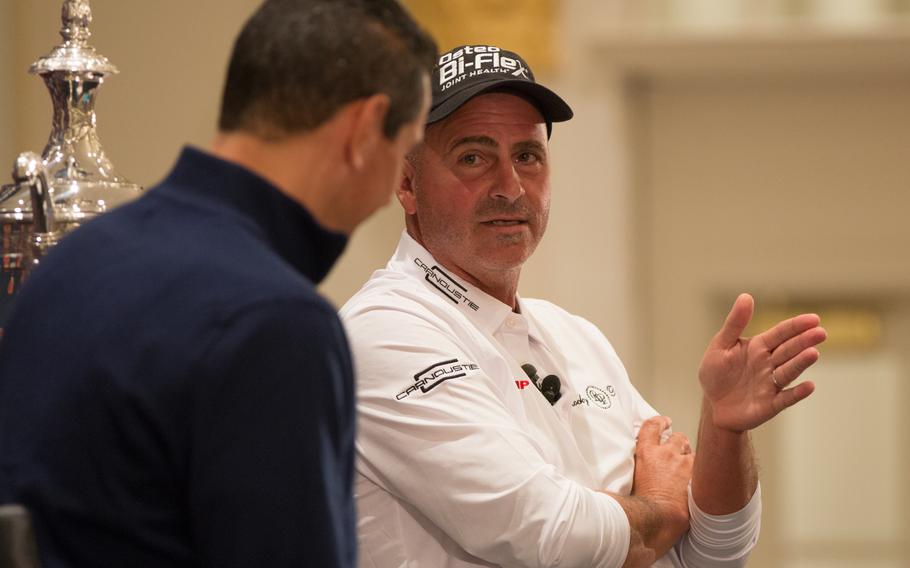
<point>720,541</point>
<point>452,448</point>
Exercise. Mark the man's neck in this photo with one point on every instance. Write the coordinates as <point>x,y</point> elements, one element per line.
<point>501,285</point>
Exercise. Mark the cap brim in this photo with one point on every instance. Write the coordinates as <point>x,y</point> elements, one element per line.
<point>550,105</point>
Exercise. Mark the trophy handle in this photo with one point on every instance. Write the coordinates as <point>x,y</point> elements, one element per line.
<point>29,171</point>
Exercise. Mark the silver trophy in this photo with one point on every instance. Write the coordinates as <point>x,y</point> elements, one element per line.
<point>72,181</point>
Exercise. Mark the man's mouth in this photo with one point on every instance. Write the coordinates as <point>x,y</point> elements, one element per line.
<point>505,222</point>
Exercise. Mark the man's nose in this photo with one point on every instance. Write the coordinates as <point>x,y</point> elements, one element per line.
<point>507,184</point>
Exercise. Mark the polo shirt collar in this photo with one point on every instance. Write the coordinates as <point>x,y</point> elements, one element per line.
<point>483,310</point>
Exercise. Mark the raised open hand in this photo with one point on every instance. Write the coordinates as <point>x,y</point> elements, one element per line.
<point>746,379</point>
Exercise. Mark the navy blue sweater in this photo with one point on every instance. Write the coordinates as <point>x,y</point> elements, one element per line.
<point>174,392</point>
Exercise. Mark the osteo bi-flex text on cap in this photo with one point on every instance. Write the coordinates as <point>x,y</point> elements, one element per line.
<point>469,70</point>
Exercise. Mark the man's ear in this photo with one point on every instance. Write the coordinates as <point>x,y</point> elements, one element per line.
<point>406,189</point>
<point>366,128</point>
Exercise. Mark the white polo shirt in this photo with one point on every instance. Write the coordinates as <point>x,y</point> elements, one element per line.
<point>462,462</point>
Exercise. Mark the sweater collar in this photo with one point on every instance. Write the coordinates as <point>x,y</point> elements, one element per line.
<point>288,227</point>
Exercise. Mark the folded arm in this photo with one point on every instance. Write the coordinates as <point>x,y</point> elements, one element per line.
<point>456,449</point>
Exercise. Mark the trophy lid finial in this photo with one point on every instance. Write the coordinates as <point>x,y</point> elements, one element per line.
<point>74,55</point>
<point>77,17</point>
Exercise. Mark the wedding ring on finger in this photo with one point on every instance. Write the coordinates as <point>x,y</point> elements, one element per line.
<point>774,380</point>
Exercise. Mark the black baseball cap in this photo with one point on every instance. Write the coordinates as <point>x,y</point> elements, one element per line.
<point>469,70</point>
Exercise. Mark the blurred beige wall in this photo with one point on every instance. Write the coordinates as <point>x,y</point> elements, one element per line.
<point>767,152</point>
<point>7,93</point>
<point>788,188</point>
<point>794,189</point>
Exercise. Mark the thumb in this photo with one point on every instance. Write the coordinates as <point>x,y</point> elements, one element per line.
<point>652,428</point>
<point>739,317</point>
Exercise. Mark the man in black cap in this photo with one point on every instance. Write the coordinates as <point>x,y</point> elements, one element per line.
<point>501,430</point>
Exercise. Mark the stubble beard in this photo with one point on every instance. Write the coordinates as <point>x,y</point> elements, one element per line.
<point>528,239</point>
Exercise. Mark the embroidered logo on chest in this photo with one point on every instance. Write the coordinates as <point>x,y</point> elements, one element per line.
<point>599,397</point>
<point>436,374</point>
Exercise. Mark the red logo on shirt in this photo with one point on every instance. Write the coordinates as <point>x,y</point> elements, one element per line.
<point>522,383</point>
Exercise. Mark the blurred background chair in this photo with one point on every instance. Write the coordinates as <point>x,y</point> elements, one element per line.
<point>17,539</point>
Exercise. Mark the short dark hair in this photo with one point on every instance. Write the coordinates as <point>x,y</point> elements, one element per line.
<point>296,62</point>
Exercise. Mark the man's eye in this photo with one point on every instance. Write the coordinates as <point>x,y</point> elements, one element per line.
<point>470,159</point>
<point>527,158</point>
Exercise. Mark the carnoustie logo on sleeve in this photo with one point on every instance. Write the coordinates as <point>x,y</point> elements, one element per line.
<point>449,287</point>
<point>474,60</point>
<point>436,374</point>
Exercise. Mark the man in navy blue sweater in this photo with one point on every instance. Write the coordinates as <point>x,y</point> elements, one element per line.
<point>173,391</point>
